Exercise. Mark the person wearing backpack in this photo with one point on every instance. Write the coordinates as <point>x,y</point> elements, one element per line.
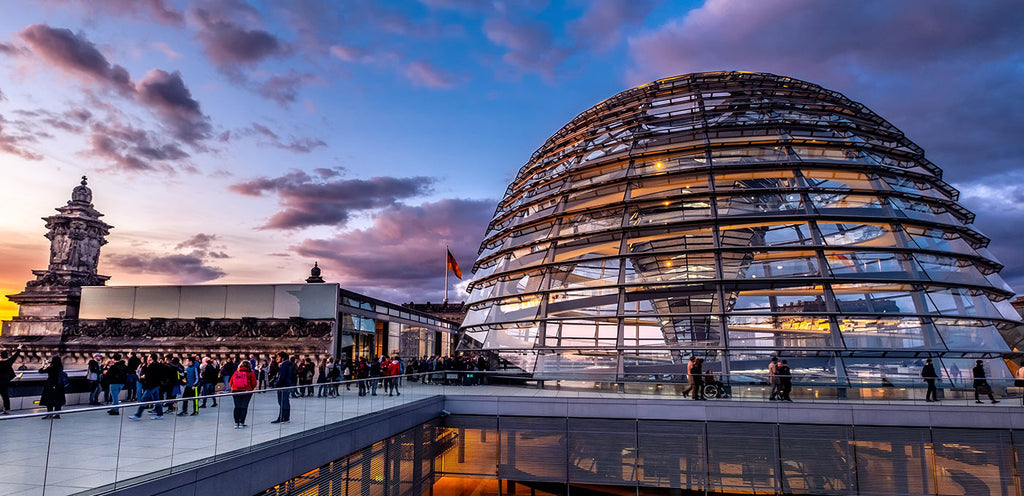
<point>53,397</point>
<point>241,381</point>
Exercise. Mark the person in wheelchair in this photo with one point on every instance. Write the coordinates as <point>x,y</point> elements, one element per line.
<point>714,388</point>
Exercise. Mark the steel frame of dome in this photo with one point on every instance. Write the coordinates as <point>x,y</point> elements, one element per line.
<point>736,216</point>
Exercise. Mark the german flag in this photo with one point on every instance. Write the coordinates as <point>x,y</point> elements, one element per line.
<point>453,265</point>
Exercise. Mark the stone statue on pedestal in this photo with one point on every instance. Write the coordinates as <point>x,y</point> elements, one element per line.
<point>51,300</point>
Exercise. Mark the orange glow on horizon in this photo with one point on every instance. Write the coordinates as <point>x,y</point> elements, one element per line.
<point>8,309</point>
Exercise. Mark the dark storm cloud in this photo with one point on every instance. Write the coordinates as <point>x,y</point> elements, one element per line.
<point>308,201</point>
<point>168,96</point>
<point>403,252</point>
<point>945,72</point>
<point>76,55</point>
<point>184,269</point>
<point>268,137</point>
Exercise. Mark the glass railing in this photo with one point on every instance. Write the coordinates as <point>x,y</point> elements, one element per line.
<point>806,389</point>
<point>98,449</point>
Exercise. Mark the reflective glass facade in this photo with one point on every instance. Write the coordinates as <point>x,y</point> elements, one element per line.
<point>735,216</point>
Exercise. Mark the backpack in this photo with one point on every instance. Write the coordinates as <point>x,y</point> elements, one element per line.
<point>239,381</point>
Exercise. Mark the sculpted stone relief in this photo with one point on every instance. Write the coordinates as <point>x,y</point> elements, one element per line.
<point>201,328</point>
<point>74,245</point>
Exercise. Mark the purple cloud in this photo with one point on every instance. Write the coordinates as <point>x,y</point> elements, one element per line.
<point>144,10</point>
<point>601,26</point>
<point>75,55</point>
<point>168,96</point>
<point>424,74</point>
<point>9,49</point>
<point>918,60</point>
<point>401,255</point>
<point>201,241</point>
<point>284,88</point>
<point>131,149</point>
<point>307,201</point>
<point>182,269</point>
<point>163,93</point>
<point>349,53</point>
<point>13,144</point>
<point>229,45</point>
<point>297,145</point>
<point>529,45</point>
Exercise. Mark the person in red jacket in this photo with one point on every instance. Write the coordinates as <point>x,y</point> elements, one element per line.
<point>394,370</point>
<point>244,379</point>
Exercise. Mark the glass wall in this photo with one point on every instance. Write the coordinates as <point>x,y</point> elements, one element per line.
<point>271,301</point>
<point>478,455</point>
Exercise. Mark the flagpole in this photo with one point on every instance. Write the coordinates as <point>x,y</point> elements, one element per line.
<point>445,274</point>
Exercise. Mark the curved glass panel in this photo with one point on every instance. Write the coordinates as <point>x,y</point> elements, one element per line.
<point>736,216</point>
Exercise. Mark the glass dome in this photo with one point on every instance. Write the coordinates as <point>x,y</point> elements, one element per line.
<point>735,216</point>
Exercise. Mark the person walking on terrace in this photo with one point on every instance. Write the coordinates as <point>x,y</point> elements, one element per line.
<point>242,381</point>
<point>151,376</point>
<point>7,375</point>
<point>981,385</point>
<point>210,375</point>
<point>92,377</point>
<point>53,397</point>
<point>785,378</point>
<point>116,376</point>
<point>689,376</point>
<point>930,376</point>
<point>283,380</point>
<point>698,379</point>
<point>773,379</point>
<point>191,388</point>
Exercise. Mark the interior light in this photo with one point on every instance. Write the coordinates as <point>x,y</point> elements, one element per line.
<point>658,164</point>
<point>668,263</point>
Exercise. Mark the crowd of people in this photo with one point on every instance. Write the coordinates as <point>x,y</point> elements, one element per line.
<point>186,385</point>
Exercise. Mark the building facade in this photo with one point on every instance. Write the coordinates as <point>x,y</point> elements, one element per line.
<point>737,216</point>
<point>68,310</point>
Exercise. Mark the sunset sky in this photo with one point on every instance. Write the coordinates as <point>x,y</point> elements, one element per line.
<point>237,142</point>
